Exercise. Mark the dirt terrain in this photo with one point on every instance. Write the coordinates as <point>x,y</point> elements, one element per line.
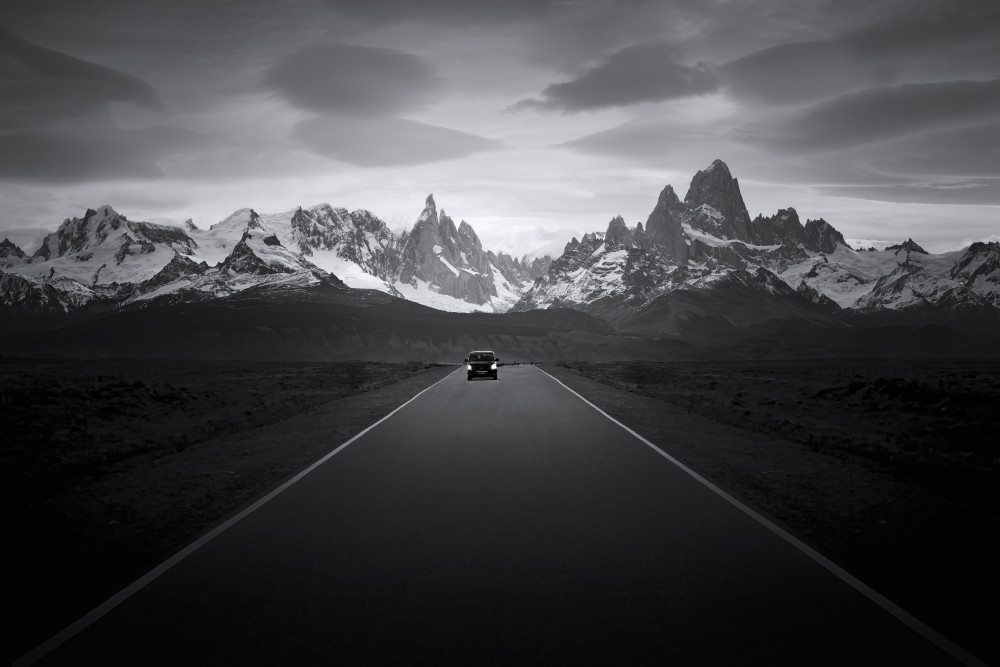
<point>110,467</point>
<point>889,468</point>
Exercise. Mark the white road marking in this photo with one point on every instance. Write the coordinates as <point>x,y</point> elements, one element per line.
<point>105,607</point>
<point>94,615</point>
<point>885,603</point>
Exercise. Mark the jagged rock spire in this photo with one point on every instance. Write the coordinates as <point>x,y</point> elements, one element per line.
<point>663,226</point>
<point>618,235</point>
<point>716,187</point>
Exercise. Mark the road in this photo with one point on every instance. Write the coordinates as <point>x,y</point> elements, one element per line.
<point>495,522</point>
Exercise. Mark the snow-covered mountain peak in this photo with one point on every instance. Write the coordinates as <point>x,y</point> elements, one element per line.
<point>10,249</point>
<point>708,241</point>
<point>102,248</point>
<point>979,270</point>
<point>238,219</point>
<point>100,214</point>
<point>254,221</point>
<point>907,246</point>
<point>105,256</point>
<point>260,252</point>
<point>77,235</point>
<point>367,220</point>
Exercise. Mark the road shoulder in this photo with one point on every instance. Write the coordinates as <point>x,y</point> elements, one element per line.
<point>73,554</point>
<point>880,529</point>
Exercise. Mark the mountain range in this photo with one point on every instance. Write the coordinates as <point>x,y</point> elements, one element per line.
<point>702,266</point>
<point>698,272</point>
<point>104,261</point>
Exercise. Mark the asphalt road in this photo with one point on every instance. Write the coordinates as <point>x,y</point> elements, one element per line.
<point>495,522</point>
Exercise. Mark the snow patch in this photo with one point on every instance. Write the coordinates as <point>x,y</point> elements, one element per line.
<point>448,264</point>
<point>424,293</point>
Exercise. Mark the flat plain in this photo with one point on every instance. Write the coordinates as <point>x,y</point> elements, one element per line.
<point>888,468</point>
<point>109,467</point>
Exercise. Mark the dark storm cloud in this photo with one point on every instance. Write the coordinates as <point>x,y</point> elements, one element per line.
<point>382,142</point>
<point>878,114</point>
<point>353,79</point>
<point>944,48</point>
<point>40,85</point>
<point>942,43</point>
<point>54,124</point>
<point>92,155</point>
<point>650,72</point>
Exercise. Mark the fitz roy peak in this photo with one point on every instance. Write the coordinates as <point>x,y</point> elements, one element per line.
<point>698,267</point>
<point>705,258</point>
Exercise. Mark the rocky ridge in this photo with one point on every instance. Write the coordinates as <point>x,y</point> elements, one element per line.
<point>103,260</point>
<point>701,259</point>
<point>699,243</point>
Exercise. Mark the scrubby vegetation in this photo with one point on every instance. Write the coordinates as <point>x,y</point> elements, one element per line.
<point>890,468</point>
<point>111,466</point>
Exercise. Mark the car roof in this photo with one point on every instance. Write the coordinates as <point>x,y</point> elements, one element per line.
<point>481,351</point>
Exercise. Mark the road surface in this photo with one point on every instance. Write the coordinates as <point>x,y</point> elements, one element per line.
<point>495,522</point>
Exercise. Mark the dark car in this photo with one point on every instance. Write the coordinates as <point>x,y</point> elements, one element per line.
<point>481,363</point>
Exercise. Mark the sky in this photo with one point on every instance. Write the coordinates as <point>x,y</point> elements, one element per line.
<point>534,120</point>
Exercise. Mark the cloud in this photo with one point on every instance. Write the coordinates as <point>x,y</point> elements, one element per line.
<point>944,48</point>
<point>362,80</point>
<point>460,12</point>
<point>649,72</point>
<point>97,154</point>
<point>380,142</point>
<point>55,123</point>
<point>801,72</point>
<point>42,86</point>
<point>965,151</point>
<point>876,115</point>
<point>983,192</point>
<point>941,46</point>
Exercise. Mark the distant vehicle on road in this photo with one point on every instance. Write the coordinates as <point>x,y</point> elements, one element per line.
<point>481,363</point>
